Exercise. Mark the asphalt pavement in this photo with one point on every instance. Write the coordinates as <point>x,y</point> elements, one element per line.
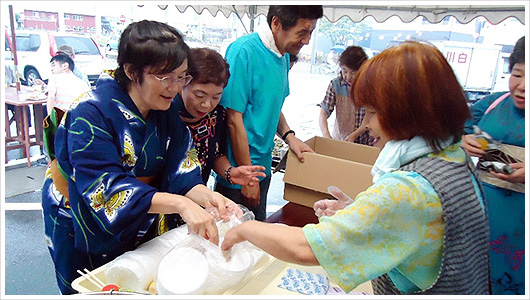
<point>28,266</point>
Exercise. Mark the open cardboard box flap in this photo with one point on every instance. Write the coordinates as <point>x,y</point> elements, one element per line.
<point>342,164</point>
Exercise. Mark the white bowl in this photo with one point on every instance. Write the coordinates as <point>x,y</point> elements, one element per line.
<point>183,271</point>
<point>225,273</point>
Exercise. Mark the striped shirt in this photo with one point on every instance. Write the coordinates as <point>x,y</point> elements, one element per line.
<point>67,87</point>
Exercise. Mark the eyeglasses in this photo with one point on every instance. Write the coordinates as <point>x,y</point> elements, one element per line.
<point>169,80</point>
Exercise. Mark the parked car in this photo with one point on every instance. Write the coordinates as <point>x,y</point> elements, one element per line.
<point>112,43</point>
<point>36,48</point>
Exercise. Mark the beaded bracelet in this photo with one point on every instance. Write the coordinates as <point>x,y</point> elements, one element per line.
<point>227,175</point>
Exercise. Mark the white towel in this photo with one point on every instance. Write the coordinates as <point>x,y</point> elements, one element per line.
<point>265,34</point>
<point>399,153</point>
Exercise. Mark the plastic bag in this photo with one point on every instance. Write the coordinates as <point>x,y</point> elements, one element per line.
<point>224,269</point>
<point>495,158</point>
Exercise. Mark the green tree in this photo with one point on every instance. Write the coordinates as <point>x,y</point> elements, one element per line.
<point>342,30</point>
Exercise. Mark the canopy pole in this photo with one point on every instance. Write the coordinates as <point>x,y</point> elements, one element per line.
<point>252,12</point>
<point>14,45</point>
<point>314,39</point>
<point>239,17</point>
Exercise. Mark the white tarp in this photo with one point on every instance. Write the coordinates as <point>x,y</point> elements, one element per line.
<point>433,13</point>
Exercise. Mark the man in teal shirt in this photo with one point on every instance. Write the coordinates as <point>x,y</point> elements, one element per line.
<point>254,96</point>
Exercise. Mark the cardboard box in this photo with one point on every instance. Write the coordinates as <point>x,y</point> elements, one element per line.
<point>342,164</point>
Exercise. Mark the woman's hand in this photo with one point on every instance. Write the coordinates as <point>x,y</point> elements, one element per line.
<point>517,176</point>
<point>357,132</point>
<point>221,207</point>
<point>246,175</point>
<point>199,221</point>
<point>251,195</point>
<point>329,207</point>
<point>232,237</point>
<point>472,146</point>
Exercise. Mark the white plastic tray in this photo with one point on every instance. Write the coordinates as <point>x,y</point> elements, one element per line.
<point>263,280</point>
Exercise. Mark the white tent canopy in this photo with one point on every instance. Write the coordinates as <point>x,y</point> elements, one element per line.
<point>407,13</point>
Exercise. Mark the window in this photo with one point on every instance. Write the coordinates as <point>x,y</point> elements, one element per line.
<point>28,42</point>
<point>66,16</point>
<point>81,45</point>
<point>505,65</point>
<point>77,18</point>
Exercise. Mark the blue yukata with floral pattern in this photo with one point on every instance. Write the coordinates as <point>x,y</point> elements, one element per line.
<point>103,145</point>
<point>395,227</point>
<point>506,124</point>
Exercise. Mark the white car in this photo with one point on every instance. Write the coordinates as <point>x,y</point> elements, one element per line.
<point>36,48</point>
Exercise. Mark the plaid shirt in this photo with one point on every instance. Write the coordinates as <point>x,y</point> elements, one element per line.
<point>337,95</point>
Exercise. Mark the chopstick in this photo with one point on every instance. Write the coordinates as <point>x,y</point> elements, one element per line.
<point>90,277</point>
<point>95,277</point>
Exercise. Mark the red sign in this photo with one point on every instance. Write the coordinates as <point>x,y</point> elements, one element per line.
<point>122,19</point>
<point>460,58</point>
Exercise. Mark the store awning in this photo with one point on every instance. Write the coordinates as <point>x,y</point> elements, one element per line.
<point>407,13</point>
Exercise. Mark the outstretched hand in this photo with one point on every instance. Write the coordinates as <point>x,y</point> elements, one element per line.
<point>328,207</point>
<point>247,175</point>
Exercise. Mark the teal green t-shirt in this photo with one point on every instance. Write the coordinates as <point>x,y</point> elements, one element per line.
<point>257,88</point>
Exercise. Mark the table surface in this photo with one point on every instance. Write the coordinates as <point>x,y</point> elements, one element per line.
<point>293,214</point>
<point>20,99</point>
<point>268,272</point>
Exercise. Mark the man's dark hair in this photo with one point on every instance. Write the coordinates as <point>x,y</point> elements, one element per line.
<point>63,58</point>
<point>149,44</point>
<point>517,55</point>
<point>289,14</point>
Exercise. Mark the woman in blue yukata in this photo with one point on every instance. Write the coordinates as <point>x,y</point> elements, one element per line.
<point>422,227</point>
<point>502,116</point>
<point>131,169</point>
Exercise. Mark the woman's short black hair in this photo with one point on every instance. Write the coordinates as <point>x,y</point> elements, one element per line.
<point>152,45</point>
<point>517,55</point>
<point>289,14</point>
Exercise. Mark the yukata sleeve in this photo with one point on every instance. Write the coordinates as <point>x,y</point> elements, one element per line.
<point>183,170</point>
<point>328,104</point>
<point>238,91</point>
<point>477,112</point>
<point>381,228</point>
<point>89,144</point>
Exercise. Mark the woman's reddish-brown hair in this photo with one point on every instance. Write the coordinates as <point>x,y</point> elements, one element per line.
<point>414,92</point>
